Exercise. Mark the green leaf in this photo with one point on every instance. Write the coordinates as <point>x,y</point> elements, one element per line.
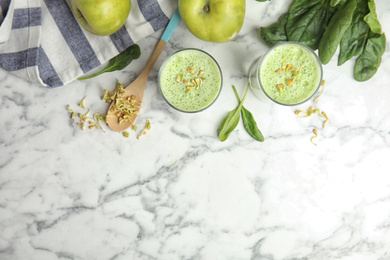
<point>307,21</point>
<point>355,37</point>
<point>230,122</point>
<point>120,61</point>
<point>275,33</point>
<point>372,19</point>
<point>249,121</point>
<point>333,34</point>
<point>251,125</point>
<point>369,61</point>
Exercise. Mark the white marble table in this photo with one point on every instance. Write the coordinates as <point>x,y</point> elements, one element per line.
<point>180,193</point>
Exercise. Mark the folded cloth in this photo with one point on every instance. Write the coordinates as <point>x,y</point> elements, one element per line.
<point>41,40</point>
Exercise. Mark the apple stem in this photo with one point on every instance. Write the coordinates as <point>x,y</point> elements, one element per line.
<point>206,8</point>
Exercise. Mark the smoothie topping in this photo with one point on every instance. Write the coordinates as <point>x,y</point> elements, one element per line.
<point>290,82</point>
<point>96,122</point>
<point>191,70</point>
<point>291,74</point>
<point>193,82</point>
<point>179,77</point>
<point>84,119</point>
<point>148,126</point>
<point>280,88</point>
<point>82,102</point>
<point>123,107</point>
<point>323,114</point>
<point>315,136</point>
<point>299,72</point>
<point>311,111</point>
<point>72,113</point>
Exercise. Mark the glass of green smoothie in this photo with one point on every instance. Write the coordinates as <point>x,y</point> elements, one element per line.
<point>289,74</point>
<point>190,80</point>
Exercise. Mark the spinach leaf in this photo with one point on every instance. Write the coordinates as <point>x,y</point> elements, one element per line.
<point>369,61</point>
<point>333,34</point>
<point>371,18</point>
<point>249,121</point>
<point>251,125</point>
<point>275,33</point>
<point>229,124</point>
<point>231,121</point>
<point>355,37</point>
<point>307,21</point>
<point>120,61</point>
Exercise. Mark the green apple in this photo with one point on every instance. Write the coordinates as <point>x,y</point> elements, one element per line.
<point>101,17</point>
<point>213,20</point>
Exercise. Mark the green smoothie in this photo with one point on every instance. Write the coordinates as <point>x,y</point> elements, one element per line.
<point>190,80</point>
<point>290,73</point>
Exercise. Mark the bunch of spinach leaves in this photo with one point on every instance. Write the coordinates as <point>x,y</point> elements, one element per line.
<point>325,25</point>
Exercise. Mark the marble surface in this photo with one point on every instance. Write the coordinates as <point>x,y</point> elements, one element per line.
<point>180,193</point>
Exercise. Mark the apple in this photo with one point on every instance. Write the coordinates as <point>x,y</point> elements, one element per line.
<point>213,20</point>
<point>101,17</point>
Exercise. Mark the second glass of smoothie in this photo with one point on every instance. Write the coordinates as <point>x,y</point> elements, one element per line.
<point>289,74</point>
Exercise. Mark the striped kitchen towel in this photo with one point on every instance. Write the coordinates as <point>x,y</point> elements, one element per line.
<point>41,41</point>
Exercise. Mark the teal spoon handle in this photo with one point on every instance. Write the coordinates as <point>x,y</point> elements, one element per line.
<point>171,26</point>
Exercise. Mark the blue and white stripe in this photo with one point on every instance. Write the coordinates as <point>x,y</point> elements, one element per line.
<point>47,45</point>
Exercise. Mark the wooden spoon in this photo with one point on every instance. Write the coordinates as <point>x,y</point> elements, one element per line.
<point>137,87</point>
